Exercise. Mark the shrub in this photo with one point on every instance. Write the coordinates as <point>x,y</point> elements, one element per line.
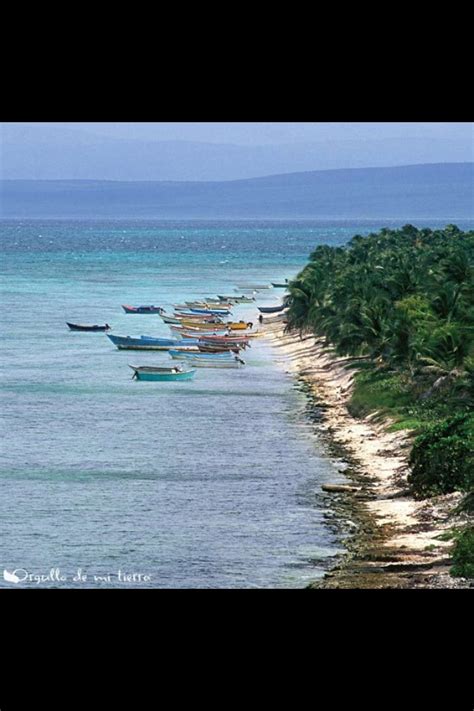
<point>463,554</point>
<point>442,458</point>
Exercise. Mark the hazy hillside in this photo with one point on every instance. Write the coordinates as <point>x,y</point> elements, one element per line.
<point>433,190</point>
<point>57,153</point>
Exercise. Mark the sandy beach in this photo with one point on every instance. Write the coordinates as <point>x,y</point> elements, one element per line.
<point>396,543</point>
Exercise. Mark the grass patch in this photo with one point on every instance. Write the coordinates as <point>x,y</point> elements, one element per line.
<point>381,390</point>
<point>408,423</point>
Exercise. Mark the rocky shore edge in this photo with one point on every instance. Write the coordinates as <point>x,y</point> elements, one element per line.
<point>398,541</point>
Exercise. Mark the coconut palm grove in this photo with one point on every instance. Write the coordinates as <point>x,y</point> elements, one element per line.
<point>401,304</point>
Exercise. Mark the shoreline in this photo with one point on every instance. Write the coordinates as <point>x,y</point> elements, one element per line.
<point>396,542</point>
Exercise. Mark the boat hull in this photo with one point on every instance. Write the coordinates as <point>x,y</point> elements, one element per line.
<point>253,287</point>
<point>149,344</point>
<point>193,325</point>
<point>142,309</point>
<point>214,312</point>
<point>84,327</point>
<point>271,309</point>
<point>182,355</point>
<point>197,363</point>
<point>238,299</point>
<point>149,375</point>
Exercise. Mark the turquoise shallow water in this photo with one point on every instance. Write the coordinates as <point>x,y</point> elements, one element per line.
<point>209,483</point>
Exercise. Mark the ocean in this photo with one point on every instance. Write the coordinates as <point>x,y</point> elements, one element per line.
<point>109,482</point>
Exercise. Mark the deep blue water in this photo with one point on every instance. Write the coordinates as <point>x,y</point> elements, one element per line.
<point>210,483</point>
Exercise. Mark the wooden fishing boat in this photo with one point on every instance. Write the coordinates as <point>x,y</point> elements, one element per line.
<point>145,372</point>
<point>171,320</point>
<point>200,330</point>
<point>200,315</point>
<point>233,336</point>
<point>214,312</point>
<point>225,303</point>
<point>271,309</point>
<point>85,327</point>
<point>241,341</point>
<point>211,336</point>
<point>203,326</point>
<point>193,329</point>
<point>207,304</point>
<point>239,325</point>
<point>142,309</point>
<point>198,318</point>
<point>255,287</point>
<point>280,285</point>
<point>214,309</point>
<point>182,355</point>
<point>218,348</point>
<point>237,299</point>
<point>149,343</point>
<point>233,362</point>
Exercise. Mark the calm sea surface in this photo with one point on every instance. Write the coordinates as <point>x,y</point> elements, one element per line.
<point>209,483</point>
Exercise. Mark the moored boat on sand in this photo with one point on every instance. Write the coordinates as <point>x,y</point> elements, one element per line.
<point>239,325</point>
<point>271,309</point>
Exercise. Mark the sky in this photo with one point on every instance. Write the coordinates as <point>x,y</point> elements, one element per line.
<point>264,133</point>
<point>220,151</point>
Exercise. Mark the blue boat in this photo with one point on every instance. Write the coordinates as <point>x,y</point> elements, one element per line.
<point>214,312</point>
<point>145,372</point>
<point>271,309</point>
<point>149,343</point>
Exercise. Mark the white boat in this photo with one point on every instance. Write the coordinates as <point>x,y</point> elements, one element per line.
<point>215,362</point>
<point>237,299</point>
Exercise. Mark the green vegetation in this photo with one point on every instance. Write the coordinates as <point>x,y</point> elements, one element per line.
<point>404,301</point>
<point>442,458</point>
<point>463,554</point>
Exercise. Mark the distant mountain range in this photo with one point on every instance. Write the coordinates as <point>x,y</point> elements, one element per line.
<point>42,152</point>
<point>415,191</point>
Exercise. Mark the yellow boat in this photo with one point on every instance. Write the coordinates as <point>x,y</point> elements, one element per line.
<point>203,326</point>
<point>239,325</point>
